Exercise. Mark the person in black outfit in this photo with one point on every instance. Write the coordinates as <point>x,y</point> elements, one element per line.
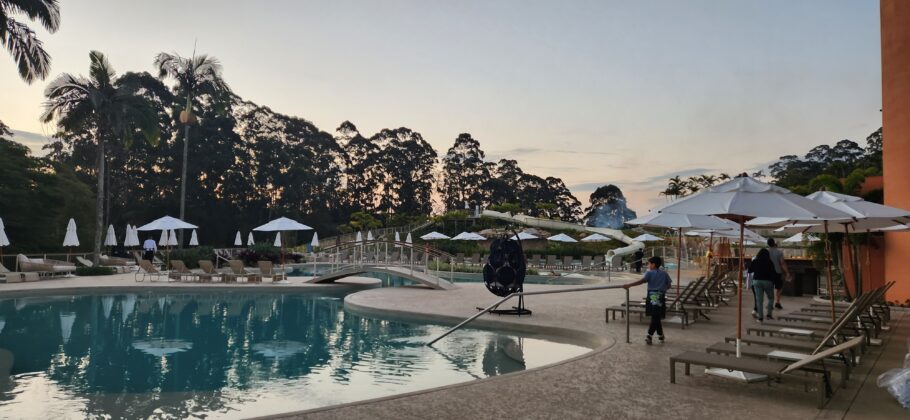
<point>639,255</point>
<point>763,275</point>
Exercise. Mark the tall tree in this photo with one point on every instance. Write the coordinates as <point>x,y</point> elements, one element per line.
<point>608,208</point>
<point>408,162</point>
<point>108,105</point>
<point>195,76</point>
<point>464,174</point>
<point>363,171</point>
<point>27,50</point>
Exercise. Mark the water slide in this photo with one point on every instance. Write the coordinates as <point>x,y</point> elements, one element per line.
<point>631,247</point>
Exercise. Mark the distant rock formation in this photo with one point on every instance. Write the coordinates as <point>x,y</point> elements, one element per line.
<point>608,208</point>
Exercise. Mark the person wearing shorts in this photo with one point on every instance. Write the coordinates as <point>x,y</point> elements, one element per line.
<point>780,268</point>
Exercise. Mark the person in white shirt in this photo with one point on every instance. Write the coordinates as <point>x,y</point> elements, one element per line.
<point>150,248</point>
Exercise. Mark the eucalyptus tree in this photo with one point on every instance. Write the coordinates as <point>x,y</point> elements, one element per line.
<point>27,50</point>
<point>108,105</point>
<point>464,174</point>
<point>195,76</point>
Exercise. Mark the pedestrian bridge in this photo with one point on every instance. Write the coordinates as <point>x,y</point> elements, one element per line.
<point>400,259</point>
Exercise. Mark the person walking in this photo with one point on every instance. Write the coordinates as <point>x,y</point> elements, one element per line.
<point>656,300</point>
<point>762,271</point>
<point>780,267</point>
<point>639,256</point>
<point>150,248</point>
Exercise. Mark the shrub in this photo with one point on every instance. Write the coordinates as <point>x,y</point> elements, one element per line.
<point>94,271</point>
<point>192,256</point>
<point>266,252</point>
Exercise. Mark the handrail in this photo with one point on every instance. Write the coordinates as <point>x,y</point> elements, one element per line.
<point>542,292</point>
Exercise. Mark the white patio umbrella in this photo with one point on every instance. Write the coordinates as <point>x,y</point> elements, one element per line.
<point>743,198</point>
<point>408,240</point>
<point>524,236</point>
<point>277,240</point>
<point>595,237</point>
<point>282,224</point>
<point>562,237</point>
<point>800,238</point>
<point>680,222</point>
<point>238,239</point>
<point>647,237</point>
<point>194,239</point>
<point>359,237</point>
<point>172,238</point>
<point>71,238</point>
<point>249,240</point>
<point>167,223</point>
<point>315,242</point>
<point>4,241</point>
<point>434,236</point>
<point>468,236</point>
<point>370,235</point>
<point>111,238</point>
<point>397,239</point>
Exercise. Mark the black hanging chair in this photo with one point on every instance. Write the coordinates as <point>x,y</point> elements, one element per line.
<point>504,272</point>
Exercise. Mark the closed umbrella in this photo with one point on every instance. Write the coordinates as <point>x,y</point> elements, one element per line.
<point>71,238</point>
<point>408,240</point>
<point>249,240</point>
<point>238,240</point>
<point>172,238</point>
<point>370,235</point>
<point>562,237</point>
<point>277,240</point>
<point>397,237</point>
<point>111,238</point>
<point>359,237</point>
<point>741,199</point>
<point>4,241</point>
<point>315,242</point>
<point>162,241</point>
<point>194,239</point>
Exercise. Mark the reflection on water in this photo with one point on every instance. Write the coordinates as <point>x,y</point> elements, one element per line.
<point>228,355</point>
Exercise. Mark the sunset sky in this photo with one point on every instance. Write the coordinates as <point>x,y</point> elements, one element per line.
<point>593,92</point>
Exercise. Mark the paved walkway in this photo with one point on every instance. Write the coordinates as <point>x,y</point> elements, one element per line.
<point>617,380</point>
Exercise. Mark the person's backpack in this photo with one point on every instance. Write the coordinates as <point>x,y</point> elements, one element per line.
<point>504,272</point>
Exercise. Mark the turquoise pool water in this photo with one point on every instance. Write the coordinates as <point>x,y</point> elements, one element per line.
<point>229,355</point>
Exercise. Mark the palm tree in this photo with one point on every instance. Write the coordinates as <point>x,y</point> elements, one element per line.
<point>108,105</point>
<point>197,75</point>
<point>28,52</point>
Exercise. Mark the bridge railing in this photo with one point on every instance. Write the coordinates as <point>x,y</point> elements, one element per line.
<point>414,257</point>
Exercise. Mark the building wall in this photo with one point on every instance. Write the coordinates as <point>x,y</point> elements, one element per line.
<point>895,27</point>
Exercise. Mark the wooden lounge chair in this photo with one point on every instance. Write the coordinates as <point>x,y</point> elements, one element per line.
<point>266,269</point>
<point>180,272</point>
<point>239,271</point>
<point>147,270</point>
<point>586,262</point>
<point>672,306</point>
<point>209,273</point>
<point>567,262</point>
<point>46,268</point>
<point>475,259</point>
<point>778,371</point>
<point>17,277</point>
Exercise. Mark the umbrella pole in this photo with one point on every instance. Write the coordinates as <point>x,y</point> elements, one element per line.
<point>868,256</point>
<point>850,258</point>
<point>678,264</point>
<point>830,280</point>
<point>710,252</point>
<point>739,289</point>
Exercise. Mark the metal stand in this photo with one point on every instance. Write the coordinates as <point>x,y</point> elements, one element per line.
<point>516,310</point>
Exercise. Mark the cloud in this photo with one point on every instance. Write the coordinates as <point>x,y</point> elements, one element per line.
<point>33,141</point>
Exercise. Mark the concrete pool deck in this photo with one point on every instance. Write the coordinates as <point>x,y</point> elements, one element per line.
<point>615,380</point>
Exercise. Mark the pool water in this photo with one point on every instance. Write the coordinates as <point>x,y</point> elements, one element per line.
<point>229,355</point>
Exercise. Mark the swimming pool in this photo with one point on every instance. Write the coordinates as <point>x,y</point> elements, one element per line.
<point>229,355</point>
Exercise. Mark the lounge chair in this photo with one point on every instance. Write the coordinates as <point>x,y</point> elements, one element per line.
<point>567,262</point>
<point>84,262</point>
<point>586,262</point>
<point>266,269</point>
<point>209,272</point>
<point>672,306</point>
<point>239,271</point>
<point>45,267</point>
<point>778,371</point>
<point>535,261</point>
<point>180,272</point>
<point>459,258</point>
<point>551,262</point>
<point>147,270</point>
<point>598,262</point>
<point>16,277</point>
<point>475,259</point>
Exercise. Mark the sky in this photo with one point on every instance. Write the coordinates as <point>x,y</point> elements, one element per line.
<point>593,92</point>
